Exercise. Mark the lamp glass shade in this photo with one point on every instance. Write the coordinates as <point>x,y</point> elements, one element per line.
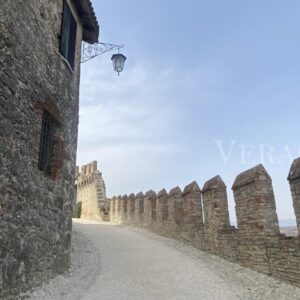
<point>118,61</point>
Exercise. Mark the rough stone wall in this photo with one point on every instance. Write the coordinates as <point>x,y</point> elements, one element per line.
<point>35,210</point>
<point>91,192</point>
<point>201,218</point>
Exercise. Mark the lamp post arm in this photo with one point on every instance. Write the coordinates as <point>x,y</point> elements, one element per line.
<point>90,51</point>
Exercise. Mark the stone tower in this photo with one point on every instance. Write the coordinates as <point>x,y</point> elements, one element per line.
<point>91,192</point>
<point>40,54</point>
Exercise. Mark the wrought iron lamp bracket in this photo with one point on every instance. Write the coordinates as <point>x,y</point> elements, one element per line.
<point>89,51</point>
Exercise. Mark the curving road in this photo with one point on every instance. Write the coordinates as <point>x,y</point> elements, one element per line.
<point>113,262</point>
<point>136,264</point>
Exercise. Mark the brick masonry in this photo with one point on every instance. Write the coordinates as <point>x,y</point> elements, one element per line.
<point>201,218</point>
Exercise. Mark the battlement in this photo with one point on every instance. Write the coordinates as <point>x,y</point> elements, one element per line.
<point>88,174</point>
<point>201,218</point>
<point>89,168</point>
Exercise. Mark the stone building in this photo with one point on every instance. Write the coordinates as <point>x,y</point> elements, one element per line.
<point>91,192</point>
<point>40,52</point>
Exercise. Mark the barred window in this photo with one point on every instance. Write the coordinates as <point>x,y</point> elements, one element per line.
<point>47,144</point>
<point>68,35</point>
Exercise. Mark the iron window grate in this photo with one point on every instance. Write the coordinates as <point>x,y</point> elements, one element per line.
<point>46,143</point>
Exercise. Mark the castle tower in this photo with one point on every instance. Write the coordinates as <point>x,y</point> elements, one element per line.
<point>91,192</point>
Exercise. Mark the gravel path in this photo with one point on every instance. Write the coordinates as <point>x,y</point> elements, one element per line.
<point>113,262</point>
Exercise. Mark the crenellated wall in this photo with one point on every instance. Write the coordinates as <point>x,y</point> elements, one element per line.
<point>257,219</point>
<point>201,218</point>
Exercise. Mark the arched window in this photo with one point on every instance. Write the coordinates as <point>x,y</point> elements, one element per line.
<point>68,35</point>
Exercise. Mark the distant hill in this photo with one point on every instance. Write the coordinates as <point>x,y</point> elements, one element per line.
<point>287,227</point>
<point>289,230</point>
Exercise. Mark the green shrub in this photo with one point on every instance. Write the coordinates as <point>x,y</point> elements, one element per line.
<point>77,210</point>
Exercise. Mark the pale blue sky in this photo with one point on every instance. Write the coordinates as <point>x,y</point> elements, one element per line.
<point>197,72</point>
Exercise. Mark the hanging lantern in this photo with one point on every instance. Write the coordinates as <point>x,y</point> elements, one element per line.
<point>118,61</point>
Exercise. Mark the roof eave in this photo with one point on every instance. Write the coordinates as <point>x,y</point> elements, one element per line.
<point>89,20</point>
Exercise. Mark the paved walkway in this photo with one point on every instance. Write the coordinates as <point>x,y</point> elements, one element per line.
<point>135,264</point>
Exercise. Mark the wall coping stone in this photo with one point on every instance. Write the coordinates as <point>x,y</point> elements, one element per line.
<point>140,195</point>
<point>192,187</point>
<point>162,193</point>
<point>250,176</point>
<point>175,190</point>
<point>150,194</point>
<point>214,183</point>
